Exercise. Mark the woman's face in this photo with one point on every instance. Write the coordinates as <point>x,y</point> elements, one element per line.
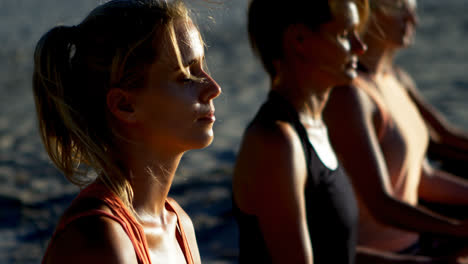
<point>396,20</point>
<point>175,110</point>
<point>334,49</point>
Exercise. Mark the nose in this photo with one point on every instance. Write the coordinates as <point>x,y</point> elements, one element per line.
<point>210,89</point>
<point>357,45</point>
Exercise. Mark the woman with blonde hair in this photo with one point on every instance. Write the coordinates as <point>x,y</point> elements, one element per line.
<point>124,93</point>
<point>380,128</point>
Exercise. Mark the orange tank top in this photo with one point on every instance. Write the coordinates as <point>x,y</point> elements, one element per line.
<point>124,217</point>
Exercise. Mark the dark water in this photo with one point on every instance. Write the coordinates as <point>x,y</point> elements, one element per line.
<point>33,194</point>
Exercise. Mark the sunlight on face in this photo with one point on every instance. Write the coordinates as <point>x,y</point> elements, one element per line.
<point>184,44</point>
<point>177,112</point>
<point>341,43</point>
<point>189,43</point>
<point>412,4</point>
<point>396,6</point>
<point>197,46</point>
<point>347,14</point>
<point>353,14</point>
<point>346,10</point>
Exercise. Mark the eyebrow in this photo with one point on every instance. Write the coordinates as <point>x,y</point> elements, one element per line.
<point>191,62</point>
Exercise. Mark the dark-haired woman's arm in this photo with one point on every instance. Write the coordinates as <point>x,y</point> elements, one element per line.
<point>271,172</point>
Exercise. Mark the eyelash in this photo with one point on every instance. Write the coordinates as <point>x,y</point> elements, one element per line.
<point>192,80</point>
<point>188,80</point>
<point>343,35</point>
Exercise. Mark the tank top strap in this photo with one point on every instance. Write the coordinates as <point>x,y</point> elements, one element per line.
<point>95,212</point>
<point>120,214</point>
<point>278,108</point>
<point>182,238</point>
<point>286,112</point>
<point>63,224</point>
<point>120,210</point>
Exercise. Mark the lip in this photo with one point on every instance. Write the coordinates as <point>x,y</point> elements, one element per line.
<point>208,117</point>
<point>352,63</point>
<point>408,30</point>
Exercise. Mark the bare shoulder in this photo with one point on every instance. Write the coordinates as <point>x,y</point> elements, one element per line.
<point>278,137</point>
<point>92,239</point>
<point>262,147</point>
<point>189,229</point>
<point>349,101</point>
<point>270,158</point>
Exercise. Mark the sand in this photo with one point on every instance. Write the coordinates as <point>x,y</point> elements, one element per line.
<point>33,193</point>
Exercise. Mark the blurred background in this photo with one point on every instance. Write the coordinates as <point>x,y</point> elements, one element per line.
<point>33,194</point>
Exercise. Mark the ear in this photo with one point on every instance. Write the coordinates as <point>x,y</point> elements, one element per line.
<point>121,104</point>
<point>295,40</point>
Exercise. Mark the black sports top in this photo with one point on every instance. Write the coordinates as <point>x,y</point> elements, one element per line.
<point>332,213</point>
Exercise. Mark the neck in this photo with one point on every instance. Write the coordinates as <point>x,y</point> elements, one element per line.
<point>151,178</point>
<point>308,98</point>
<point>378,58</point>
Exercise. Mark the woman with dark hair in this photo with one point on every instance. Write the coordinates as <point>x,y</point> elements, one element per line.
<point>380,128</point>
<point>106,94</point>
<point>292,200</point>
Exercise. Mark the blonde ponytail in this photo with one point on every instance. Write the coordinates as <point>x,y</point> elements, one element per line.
<point>75,67</point>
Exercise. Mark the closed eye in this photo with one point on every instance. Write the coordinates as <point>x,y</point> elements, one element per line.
<point>344,35</point>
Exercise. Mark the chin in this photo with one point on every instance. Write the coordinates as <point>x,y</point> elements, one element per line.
<point>351,75</point>
<point>202,141</point>
<point>347,77</point>
<point>407,42</point>
<point>403,42</point>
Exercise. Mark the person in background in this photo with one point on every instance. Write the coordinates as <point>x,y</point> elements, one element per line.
<point>292,200</point>
<point>106,93</point>
<point>380,128</point>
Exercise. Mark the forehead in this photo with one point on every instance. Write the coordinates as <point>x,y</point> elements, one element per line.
<point>345,12</point>
<point>184,39</point>
<point>410,3</point>
<point>188,39</point>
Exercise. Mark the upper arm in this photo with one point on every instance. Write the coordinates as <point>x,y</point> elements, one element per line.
<point>349,117</point>
<point>270,177</point>
<point>92,240</point>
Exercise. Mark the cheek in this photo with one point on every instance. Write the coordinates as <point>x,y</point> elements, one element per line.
<point>170,104</point>
<point>343,51</point>
<point>390,23</point>
<point>178,102</point>
<point>339,51</point>
<point>331,50</point>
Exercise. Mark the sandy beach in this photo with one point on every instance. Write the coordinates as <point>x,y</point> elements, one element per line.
<point>33,194</point>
